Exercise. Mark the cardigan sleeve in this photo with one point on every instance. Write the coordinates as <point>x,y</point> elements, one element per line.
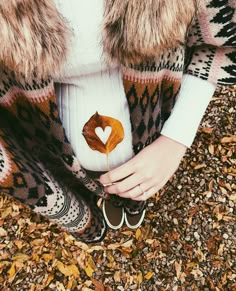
<point>192,101</point>
<point>211,43</point>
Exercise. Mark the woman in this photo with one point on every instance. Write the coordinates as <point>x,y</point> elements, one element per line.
<point>128,68</point>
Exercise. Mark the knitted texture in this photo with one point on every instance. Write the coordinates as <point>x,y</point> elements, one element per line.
<point>212,42</point>
<point>37,163</point>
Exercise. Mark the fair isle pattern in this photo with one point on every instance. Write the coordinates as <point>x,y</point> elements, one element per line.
<point>29,181</point>
<point>151,98</point>
<point>31,129</point>
<point>212,42</point>
<point>62,207</point>
<point>78,216</point>
<point>151,90</point>
<point>36,104</point>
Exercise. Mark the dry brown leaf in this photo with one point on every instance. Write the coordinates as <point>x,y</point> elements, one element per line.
<point>81,245</point>
<point>117,276</point>
<point>200,166</point>
<point>6,212</point>
<point>229,218</point>
<point>38,242</point>
<point>48,280</point>
<point>149,275</point>
<point>224,279</point>
<point>221,249</point>
<point>177,269</point>
<point>12,271</point>
<point>232,197</point>
<point>228,139</point>
<point>102,121</point>
<point>20,257</point>
<point>81,259</point>
<point>191,214</point>
<point>151,241</point>
<point>191,265</point>
<point>138,234</point>
<point>211,149</point>
<point>110,257</point>
<point>216,225</point>
<point>113,246</point>
<point>90,267</point>
<point>19,244</point>
<point>230,170</point>
<point>201,257</point>
<point>207,130</point>
<point>71,284</point>
<point>197,273</point>
<point>68,270</point>
<point>127,233</point>
<point>223,191</point>
<point>140,278</point>
<point>89,270</point>
<point>95,248</point>
<point>2,246</point>
<point>60,286</point>
<point>98,285</point>
<point>47,257</point>
<point>35,257</point>
<point>3,232</point>
<point>210,185</point>
<point>211,283</point>
<point>127,244</point>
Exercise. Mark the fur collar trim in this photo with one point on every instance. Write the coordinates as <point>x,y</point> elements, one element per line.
<point>34,37</point>
<point>135,30</point>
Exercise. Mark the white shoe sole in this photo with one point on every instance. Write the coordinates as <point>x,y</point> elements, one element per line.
<point>139,222</point>
<point>107,220</point>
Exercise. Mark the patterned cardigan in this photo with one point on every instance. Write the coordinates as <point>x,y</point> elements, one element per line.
<point>32,138</point>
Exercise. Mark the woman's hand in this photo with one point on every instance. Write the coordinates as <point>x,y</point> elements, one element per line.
<point>147,172</point>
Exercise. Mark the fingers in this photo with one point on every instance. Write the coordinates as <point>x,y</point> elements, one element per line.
<point>125,185</point>
<point>138,194</point>
<point>146,195</point>
<point>151,169</point>
<point>140,190</point>
<point>117,174</point>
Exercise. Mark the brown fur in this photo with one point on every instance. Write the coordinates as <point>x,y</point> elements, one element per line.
<point>33,37</point>
<point>135,30</point>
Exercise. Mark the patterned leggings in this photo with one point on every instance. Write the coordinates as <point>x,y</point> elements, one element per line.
<point>77,214</point>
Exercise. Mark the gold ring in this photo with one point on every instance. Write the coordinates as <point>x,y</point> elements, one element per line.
<point>109,184</point>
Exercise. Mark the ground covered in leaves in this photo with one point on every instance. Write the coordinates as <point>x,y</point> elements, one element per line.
<point>187,241</point>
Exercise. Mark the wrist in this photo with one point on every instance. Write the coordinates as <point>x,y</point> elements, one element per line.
<point>172,144</point>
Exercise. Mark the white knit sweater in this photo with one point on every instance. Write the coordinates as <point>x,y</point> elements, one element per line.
<point>88,85</point>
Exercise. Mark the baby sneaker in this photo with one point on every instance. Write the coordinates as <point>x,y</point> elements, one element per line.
<point>134,213</point>
<point>113,212</point>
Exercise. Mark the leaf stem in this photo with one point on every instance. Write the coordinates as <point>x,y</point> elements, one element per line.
<point>108,166</point>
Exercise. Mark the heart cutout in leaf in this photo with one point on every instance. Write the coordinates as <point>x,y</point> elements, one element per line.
<point>93,140</point>
<point>103,134</point>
